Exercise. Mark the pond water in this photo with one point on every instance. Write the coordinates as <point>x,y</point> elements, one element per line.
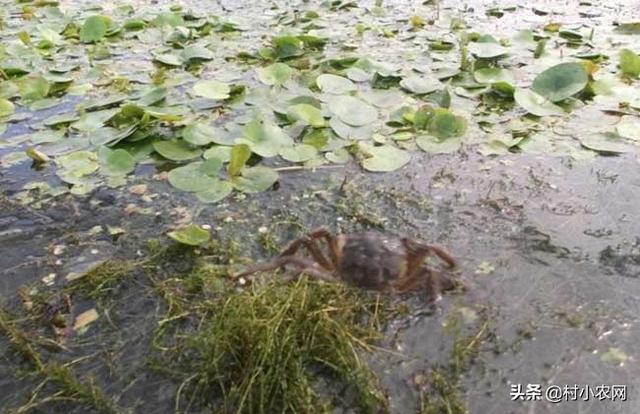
<point>546,234</point>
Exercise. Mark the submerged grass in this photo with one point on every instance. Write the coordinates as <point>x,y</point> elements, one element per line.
<point>267,350</point>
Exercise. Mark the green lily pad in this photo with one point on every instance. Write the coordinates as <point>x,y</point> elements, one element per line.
<point>216,192</point>
<point>221,152</point>
<point>153,96</point>
<point>33,88</point>
<point>192,177</point>
<point>630,63</point>
<point>493,75</point>
<point>264,138</point>
<point>560,81</point>
<point>352,111</point>
<point>605,143</point>
<point>94,28</point>
<point>79,163</point>
<point>298,153</point>
<point>211,89</point>
<point>434,145</point>
<point>168,59</point>
<point>198,133</point>
<point>6,107</point>
<point>536,104</point>
<point>196,53</point>
<point>255,179</point>
<point>444,124</point>
<point>276,74</point>
<point>420,85</point>
<point>629,127</point>
<point>385,158</point>
<point>287,46</point>
<point>487,50</point>
<point>118,162</point>
<point>191,235</point>
<point>334,84</point>
<point>308,114</point>
<point>176,150</point>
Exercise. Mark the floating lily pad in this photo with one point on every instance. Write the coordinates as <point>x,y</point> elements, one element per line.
<point>33,88</point>
<point>255,179</point>
<point>605,143</point>
<point>560,81</point>
<point>192,177</point>
<point>308,114</point>
<point>629,127</point>
<point>79,163</point>
<point>493,75</point>
<point>264,138</point>
<point>536,104</point>
<point>176,150</point>
<point>352,111</point>
<point>191,235</point>
<point>94,28</point>
<point>385,158</point>
<point>198,133</point>
<point>420,85</point>
<point>6,107</point>
<point>444,124</point>
<point>487,50</point>
<point>215,192</point>
<point>195,53</point>
<point>276,74</point>
<point>630,63</point>
<point>298,153</point>
<point>168,59</point>
<point>118,162</point>
<point>334,84</point>
<point>434,145</point>
<point>211,89</point>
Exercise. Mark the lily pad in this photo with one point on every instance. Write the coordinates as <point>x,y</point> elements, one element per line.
<point>215,192</point>
<point>493,75</point>
<point>211,89</point>
<point>536,104</point>
<point>487,50</point>
<point>334,84</point>
<point>276,74</point>
<point>352,111</point>
<point>198,133</point>
<point>298,153</point>
<point>444,124</point>
<point>79,163</point>
<point>420,85</point>
<point>94,28</point>
<point>6,107</point>
<point>308,114</point>
<point>255,179</point>
<point>118,162</point>
<point>385,158</point>
<point>560,81</point>
<point>630,63</point>
<point>192,177</point>
<point>176,150</point>
<point>191,235</point>
<point>264,138</point>
<point>434,145</point>
<point>33,88</point>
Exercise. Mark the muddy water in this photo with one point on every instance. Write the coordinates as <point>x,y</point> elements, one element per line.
<point>549,247</point>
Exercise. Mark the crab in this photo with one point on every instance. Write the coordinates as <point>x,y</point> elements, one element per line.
<point>368,260</point>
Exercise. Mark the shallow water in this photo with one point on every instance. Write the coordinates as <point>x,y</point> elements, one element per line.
<point>549,248</point>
